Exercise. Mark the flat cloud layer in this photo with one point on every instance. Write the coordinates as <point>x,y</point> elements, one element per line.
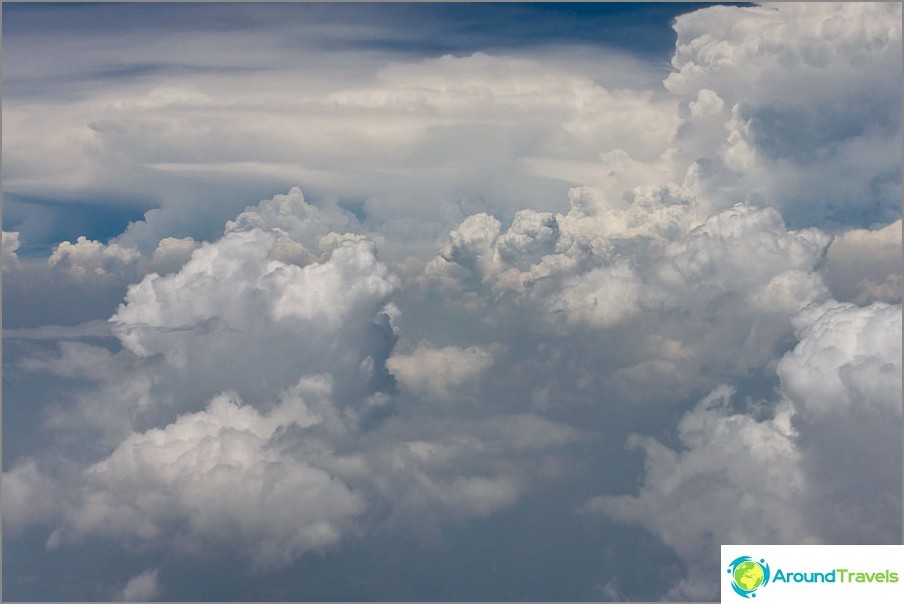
<point>494,299</point>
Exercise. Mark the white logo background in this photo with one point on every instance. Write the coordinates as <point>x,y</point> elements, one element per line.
<point>819,558</point>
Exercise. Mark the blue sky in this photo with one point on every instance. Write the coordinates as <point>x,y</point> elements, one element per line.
<point>444,301</point>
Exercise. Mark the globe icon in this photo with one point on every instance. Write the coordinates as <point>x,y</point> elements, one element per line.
<point>748,575</point>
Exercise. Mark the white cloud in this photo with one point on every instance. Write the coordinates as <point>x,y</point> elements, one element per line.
<point>730,467</point>
<point>220,472</point>
<point>397,134</point>
<point>10,245</point>
<point>83,281</point>
<point>847,358</point>
<point>742,247</point>
<point>232,309</point>
<point>605,265</point>
<point>141,588</point>
<point>274,485</point>
<point>439,373</point>
<point>298,220</point>
<point>600,297</point>
<point>171,253</point>
<point>279,448</point>
<point>687,259</point>
<point>797,106</point>
<point>91,257</point>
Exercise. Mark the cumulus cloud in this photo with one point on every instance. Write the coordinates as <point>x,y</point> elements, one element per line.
<point>728,461</point>
<point>779,108</point>
<point>435,328</point>
<point>83,281</point>
<point>89,260</point>
<point>786,478</point>
<point>439,372</point>
<point>84,257</point>
<point>232,308</point>
<point>10,245</point>
<point>218,472</point>
<point>603,266</point>
<point>294,219</point>
<point>299,477</point>
<point>295,361</point>
<point>844,382</point>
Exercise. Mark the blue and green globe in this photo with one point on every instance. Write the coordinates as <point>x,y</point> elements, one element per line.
<point>748,575</point>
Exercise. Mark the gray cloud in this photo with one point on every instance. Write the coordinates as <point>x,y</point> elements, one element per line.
<point>501,265</point>
<point>786,478</point>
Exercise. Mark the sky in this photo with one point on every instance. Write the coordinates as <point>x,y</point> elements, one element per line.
<point>487,302</point>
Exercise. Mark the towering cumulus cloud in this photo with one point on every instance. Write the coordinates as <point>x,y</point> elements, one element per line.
<point>524,312</point>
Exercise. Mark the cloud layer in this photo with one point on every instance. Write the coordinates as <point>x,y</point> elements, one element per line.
<point>558,298</point>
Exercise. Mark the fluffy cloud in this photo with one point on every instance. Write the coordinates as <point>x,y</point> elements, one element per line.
<point>612,253</point>
<point>301,433</point>
<point>294,219</point>
<point>10,245</point>
<point>844,382</point>
<point>83,281</point>
<point>231,476</point>
<point>439,373</point>
<point>847,358</point>
<point>729,462</point>
<point>219,473</point>
<point>87,260</point>
<point>231,308</point>
<point>381,135</point>
<point>93,257</point>
<point>602,266</point>
<point>795,105</point>
<point>437,470</point>
<point>749,252</point>
<point>788,475</point>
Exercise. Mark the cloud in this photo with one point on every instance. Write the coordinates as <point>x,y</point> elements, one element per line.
<point>502,261</point>
<point>29,497</point>
<point>10,245</point>
<point>90,329</point>
<point>297,429</point>
<point>294,218</point>
<point>141,588</point>
<point>274,485</point>
<point>392,136</point>
<point>865,266</point>
<point>218,471</point>
<point>844,382</point>
<point>727,461</point>
<point>439,373</point>
<point>779,113</point>
<point>232,309</point>
<point>603,266</point>
<point>83,281</point>
<point>785,474</point>
<point>85,257</point>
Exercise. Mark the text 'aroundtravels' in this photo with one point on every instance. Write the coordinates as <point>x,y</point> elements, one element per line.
<point>839,575</point>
